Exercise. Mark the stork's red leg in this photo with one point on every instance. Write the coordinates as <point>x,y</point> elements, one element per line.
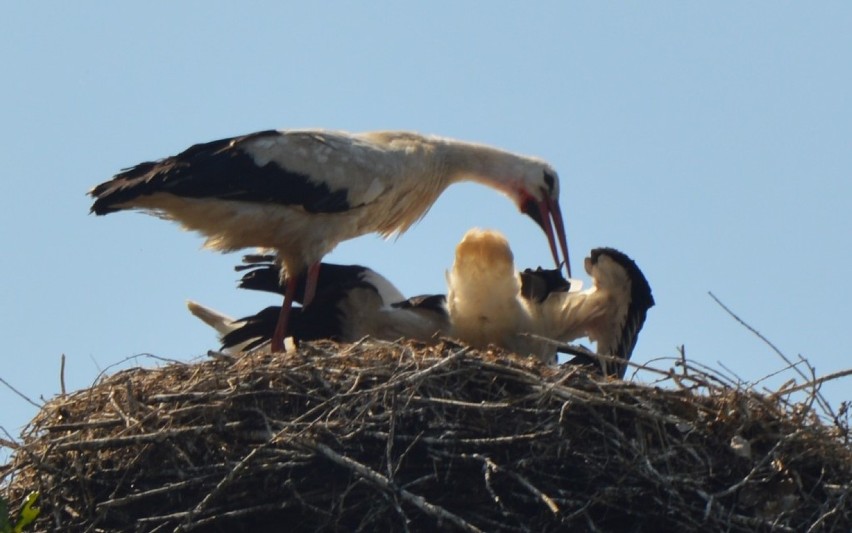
<point>311,284</point>
<point>277,343</point>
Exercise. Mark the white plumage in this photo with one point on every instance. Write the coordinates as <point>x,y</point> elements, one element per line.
<point>300,193</point>
<point>610,313</point>
<point>484,293</point>
<point>488,303</point>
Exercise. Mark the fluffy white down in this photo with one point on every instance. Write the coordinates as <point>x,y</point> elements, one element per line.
<point>483,292</point>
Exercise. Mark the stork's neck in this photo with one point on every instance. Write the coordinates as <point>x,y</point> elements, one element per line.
<point>487,165</point>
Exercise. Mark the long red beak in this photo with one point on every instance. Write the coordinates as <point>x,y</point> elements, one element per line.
<point>547,214</point>
<point>551,216</point>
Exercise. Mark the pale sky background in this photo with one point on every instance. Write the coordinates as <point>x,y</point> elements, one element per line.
<point>712,143</point>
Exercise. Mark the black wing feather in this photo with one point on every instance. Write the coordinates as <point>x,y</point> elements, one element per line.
<point>219,169</point>
<point>430,302</point>
<point>263,274</point>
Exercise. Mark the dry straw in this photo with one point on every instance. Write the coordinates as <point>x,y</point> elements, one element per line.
<point>378,436</point>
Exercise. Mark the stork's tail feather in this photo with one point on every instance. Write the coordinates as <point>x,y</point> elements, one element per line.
<point>253,260</point>
<point>223,324</point>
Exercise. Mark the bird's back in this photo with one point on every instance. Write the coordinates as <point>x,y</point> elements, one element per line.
<point>238,169</point>
<point>300,192</point>
<point>319,170</point>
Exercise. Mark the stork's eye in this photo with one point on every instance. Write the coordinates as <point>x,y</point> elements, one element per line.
<point>550,181</point>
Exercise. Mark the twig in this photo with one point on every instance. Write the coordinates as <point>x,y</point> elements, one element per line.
<point>383,482</point>
<point>823,403</point>
<point>237,513</point>
<point>548,501</point>
<point>459,403</point>
<point>130,358</point>
<point>391,437</point>
<point>428,370</point>
<point>10,443</point>
<point>490,441</point>
<point>215,354</point>
<point>19,393</point>
<point>245,461</point>
<point>736,379</point>
<point>62,374</point>
<point>771,375</point>
<point>158,436</point>
<point>819,381</point>
<point>754,331</point>
<point>755,469</point>
<point>488,467</point>
<point>136,496</point>
<point>816,526</point>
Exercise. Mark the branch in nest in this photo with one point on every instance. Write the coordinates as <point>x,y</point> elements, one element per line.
<point>371,475</point>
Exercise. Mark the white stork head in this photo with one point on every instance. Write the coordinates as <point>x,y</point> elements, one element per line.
<point>536,193</point>
<point>539,200</point>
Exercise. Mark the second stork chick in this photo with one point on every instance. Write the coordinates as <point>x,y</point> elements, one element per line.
<point>610,313</point>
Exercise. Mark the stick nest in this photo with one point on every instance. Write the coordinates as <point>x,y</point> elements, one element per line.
<point>380,436</point>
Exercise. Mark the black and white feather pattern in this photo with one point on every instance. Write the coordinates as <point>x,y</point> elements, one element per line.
<point>352,301</point>
<point>302,192</point>
<point>489,303</point>
<point>626,324</point>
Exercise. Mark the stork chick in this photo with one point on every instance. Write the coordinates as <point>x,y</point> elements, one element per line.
<point>490,303</point>
<point>301,192</point>
<point>610,313</point>
<point>483,293</point>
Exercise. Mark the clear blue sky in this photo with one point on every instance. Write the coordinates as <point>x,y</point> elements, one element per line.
<point>710,142</point>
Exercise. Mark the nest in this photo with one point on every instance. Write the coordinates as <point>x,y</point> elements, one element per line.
<point>398,436</point>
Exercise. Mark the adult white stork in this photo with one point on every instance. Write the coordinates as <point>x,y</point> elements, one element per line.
<point>351,302</point>
<point>302,192</point>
